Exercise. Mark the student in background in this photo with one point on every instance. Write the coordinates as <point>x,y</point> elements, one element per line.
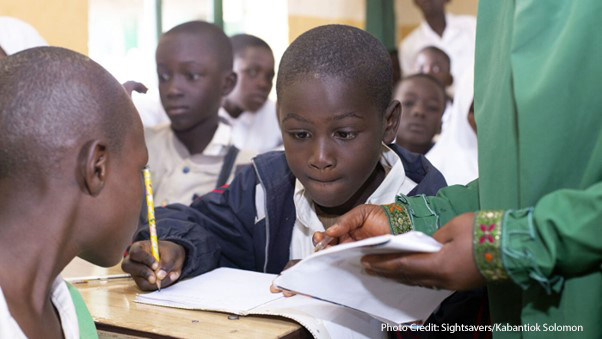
<point>435,62</point>
<point>16,35</point>
<point>72,151</point>
<point>334,105</point>
<point>247,108</point>
<point>194,153</point>
<point>454,34</point>
<point>455,152</point>
<point>423,101</point>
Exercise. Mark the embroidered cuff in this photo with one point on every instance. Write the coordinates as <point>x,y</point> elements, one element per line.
<point>487,244</point>
<point>399,219</point>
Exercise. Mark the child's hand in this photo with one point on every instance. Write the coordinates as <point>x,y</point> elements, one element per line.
<point>145,270</point>
<point>364,221</point>
<point>285,293</point>
<point>275,289</point>
<point>452,268</point>
<point>131,86</point>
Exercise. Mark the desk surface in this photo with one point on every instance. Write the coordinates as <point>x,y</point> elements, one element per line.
<point>112,306</point>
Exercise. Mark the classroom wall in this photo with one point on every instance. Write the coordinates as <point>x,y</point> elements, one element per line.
<point>307,14</point>
<point>61,22</point>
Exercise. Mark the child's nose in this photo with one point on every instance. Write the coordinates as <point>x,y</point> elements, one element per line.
<point>322,157</point>
<point>174,88</point>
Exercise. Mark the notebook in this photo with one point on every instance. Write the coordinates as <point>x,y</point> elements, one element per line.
<point>246,292</point>
<point>336,275</point>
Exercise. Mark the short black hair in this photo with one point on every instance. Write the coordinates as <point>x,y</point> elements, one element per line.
<point>439,51</point>
<point>240,42</point>
<point>215,37</point>
<point>341,52</point>
<point>50,98</point>
<point>428,77</point>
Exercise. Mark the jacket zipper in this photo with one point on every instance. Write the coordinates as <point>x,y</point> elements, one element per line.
<point>267,219</point>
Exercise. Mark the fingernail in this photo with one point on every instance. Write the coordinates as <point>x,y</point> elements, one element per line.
<point>151,279</point>
<point>155,265</point>
<point>161,274</point>
<point>173,276</point>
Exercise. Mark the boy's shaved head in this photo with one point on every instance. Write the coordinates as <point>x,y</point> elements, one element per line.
<point>341,52</point>
<point>212,35</point>
<point>51,99</point>
<point>240,42</point>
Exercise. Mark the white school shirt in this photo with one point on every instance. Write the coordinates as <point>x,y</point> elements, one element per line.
<point>455,154</point>
<point>458,41</point>
<point>255,131</point>
<point>307,222</point>
<point>176,174</point>
<point>61,299</point>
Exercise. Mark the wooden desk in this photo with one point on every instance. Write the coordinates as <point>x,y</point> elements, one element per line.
<point>112,306</point>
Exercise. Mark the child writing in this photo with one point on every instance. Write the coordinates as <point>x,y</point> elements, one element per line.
<point>247,108</point>
<point>422,100</point>
<point>72,151</point>
<point>336,114</point>
<point>193,154</point>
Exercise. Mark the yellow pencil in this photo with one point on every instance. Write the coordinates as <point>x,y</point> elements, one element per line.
<point>151,217</point>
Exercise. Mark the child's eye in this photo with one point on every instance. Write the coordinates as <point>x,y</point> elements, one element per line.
<point>193,76</point>
<point>163,76</point>
<point>346,135</point>
<point>407,103</point>
<point>252,72</point>
<point>300,135</point>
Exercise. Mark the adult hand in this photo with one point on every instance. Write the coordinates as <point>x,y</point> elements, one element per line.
<point>364,221</point>
<point>453,267</point>
<point>145,270</point>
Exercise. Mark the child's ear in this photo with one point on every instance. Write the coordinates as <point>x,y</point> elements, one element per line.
<point>450,80</point>
<point>229,83</point>
<point>391,121</point>
<point>93,158</point>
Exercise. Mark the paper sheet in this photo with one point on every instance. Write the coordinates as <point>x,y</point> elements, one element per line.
<point>336,275</point>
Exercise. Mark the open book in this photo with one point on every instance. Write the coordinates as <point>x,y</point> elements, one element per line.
<point>246,292</point>
<point>336,275</point>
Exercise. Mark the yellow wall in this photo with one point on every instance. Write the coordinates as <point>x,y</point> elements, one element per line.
<point>61,22</point>
<point>304,15</point>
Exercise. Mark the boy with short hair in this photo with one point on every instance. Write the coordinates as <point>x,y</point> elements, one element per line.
<point>247,108</point>
<point>194,154</point>
<point>337,116</point>
<point>72,151</point>
<point>435,62</point>
<point>422,100</point>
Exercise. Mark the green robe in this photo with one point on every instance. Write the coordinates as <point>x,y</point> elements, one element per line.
<point>538,106</point>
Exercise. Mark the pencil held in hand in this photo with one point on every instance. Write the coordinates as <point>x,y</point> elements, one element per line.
<point>151,217</point>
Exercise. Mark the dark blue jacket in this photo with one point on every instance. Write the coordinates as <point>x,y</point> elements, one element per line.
<point>224,227</point>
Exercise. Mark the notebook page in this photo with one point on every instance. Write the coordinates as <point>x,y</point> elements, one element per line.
<point>224,289</point>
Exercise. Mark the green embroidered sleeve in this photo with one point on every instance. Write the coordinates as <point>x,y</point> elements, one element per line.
<point>399,219</point>
<point>427,213</point>
<point>487,243</point>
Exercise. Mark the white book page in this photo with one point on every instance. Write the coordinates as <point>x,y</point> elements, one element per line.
<point>337,275</point>
<point>223,289</point>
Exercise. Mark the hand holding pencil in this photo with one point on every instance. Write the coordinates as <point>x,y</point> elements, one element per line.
<point>153,264</point>
<point>151,220</point>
